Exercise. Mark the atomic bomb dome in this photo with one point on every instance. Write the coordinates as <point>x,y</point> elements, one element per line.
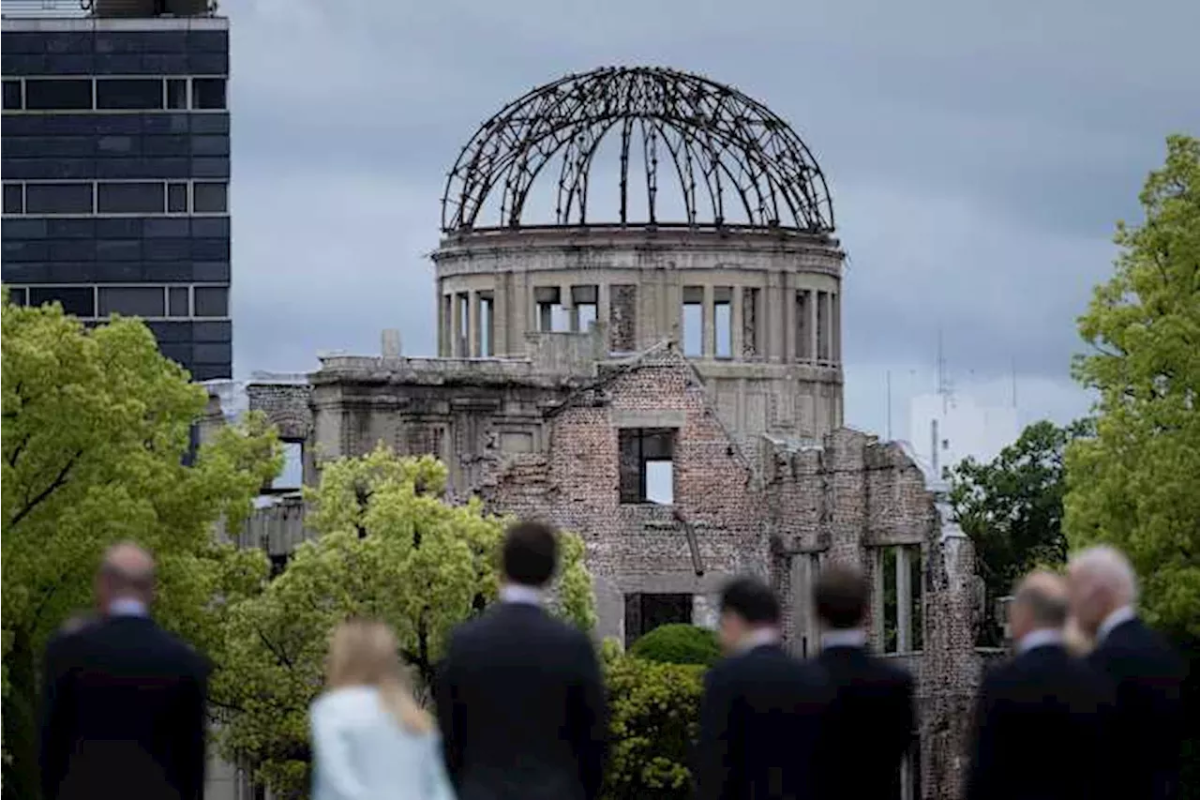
<point>704,154</point>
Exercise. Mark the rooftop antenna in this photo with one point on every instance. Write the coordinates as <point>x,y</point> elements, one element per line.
<point>944,387</point>
<point>1014,381</point>
<point>889,405</point>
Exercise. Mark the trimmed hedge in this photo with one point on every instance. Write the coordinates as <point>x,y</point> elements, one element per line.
<point>678,644</point>
<point>655,718</point>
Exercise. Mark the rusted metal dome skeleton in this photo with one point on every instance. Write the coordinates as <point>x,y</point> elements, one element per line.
<point>734,162</point>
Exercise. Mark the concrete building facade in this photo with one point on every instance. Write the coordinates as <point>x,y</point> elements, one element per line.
<point>116,170</point>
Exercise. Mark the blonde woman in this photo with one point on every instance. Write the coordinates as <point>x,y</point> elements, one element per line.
<point>371,740</point>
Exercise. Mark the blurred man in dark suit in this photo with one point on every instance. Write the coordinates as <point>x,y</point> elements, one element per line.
<point>519,695</point>
<point>871,719</point>
<point>1147,673</point>
<point>1044,719</point>
<point>762,711</point>
<point>124,701</point>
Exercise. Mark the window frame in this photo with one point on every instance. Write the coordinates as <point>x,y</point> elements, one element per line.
<point>163,108</point>
<point>640,437</point>
<point>190,191</point>
<point>27,288</point>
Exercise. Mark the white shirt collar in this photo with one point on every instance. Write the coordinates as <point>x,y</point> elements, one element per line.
<point>1122,614</point>
<point>757,638</point>
<point>127,607</point>
<point>1042,637</point>
<point>844,637</point>
<point>516,593</point>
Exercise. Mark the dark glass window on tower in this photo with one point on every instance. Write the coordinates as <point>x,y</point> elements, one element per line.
<point>58,198</point>
<point>62,94</point>
<point>14,199</point>
<point>177,299</point>
<point>129,93</point>
<point>208,93</point>
<point>14,98</point>
<point>177,198</point>
<point>138,301</point>
<point>177,95</point>
<point>211,301</point>
<point>130,198</point>
<point>79,301</point>
<point>210,197</point>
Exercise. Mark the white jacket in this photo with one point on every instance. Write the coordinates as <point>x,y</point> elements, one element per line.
<point>360,752</point>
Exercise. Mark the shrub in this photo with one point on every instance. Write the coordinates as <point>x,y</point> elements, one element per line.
<point>655,718</point>
<point>678,644</point>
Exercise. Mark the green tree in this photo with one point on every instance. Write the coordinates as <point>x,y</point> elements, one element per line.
<point>1134,484</point>
<point>390,546</point>
<point>95,430</point>
<point>1012,506</point>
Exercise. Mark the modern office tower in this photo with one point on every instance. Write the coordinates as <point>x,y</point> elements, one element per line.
<point>116,167</point>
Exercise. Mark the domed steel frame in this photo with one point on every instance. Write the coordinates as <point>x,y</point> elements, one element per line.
<point>725,147</point>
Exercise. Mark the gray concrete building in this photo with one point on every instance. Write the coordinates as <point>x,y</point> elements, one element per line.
<point>116,167</point>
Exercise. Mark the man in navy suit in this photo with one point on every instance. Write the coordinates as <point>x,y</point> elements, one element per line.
<point>1147,673</point>
<point>1044,719</point>
<point>762,711</point>
<point>871,721</point>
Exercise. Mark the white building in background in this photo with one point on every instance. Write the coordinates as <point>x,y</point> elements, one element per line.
<point>944,428</point>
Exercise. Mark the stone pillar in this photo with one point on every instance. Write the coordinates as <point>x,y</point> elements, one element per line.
<point>814,317</point>
<point>456,322</point>
<point>878,626</point>
<point>736,323</point>
<point>789,318</point>
<point>500,314</point>
<point>835,323</point>
<point>707,324</point>
<point>604,314</point>
<point>473,338</point>
<point>903,601</point>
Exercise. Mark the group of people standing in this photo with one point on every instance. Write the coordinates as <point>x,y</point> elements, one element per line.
<point>522,712</point>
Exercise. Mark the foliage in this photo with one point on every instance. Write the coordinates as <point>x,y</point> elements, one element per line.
<point>389,546</point>
<point>678,644</point>
<point>96,426</point>
<point>1012,506</point>
<point>1134,483</point>
<point>655,719</point>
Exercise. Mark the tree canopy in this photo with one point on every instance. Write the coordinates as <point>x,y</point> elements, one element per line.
<point>1134,484</point>
<point>1012,506</point>
<point>389,546</point>
<point>96,427</point>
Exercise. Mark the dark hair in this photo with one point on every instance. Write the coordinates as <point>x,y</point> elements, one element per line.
<point>530,553</point>
<point>750,599</point>
<point>841,596</point>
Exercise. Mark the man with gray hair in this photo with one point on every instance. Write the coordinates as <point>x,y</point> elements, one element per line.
<point>124,701</point>
<point>1043,722</point>
<point>1146,673</point>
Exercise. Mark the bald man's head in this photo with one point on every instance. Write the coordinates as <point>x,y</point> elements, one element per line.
<point>1102,581</point>
<point>127,571</point>
<point>1041,602</point>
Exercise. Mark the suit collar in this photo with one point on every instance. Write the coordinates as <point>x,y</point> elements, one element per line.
<point>850,637</point>
<point>1043,637</point>
<point>1113,621</point>
<point>759,638</point>
<point>516,594</point>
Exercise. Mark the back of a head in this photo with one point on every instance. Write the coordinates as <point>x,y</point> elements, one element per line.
<point>126,571</point>
<point>751,600</point>
<point>365,653</point>
<point>1042,598</point>
<point>1101,581</point>
<point>841,596</point>
<point>530,553</point>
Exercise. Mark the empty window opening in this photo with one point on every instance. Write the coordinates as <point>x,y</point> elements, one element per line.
<point>645,612</point>
<point>804,326</point>
<point>279,562</point>
<point>750,341</point>
<point>584,302</point>
<point>723,321</point>
<point>551,315</point>
<point>291,477</point>
<point>899,581</point>
<point>487,325</point>
<point>693,320</point>
<point>823,326</point>
<point>647,470</point>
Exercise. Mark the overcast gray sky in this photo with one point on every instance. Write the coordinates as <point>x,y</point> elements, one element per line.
<point>978,155</point>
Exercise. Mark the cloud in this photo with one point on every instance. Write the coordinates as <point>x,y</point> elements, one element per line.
<point>978,156</point>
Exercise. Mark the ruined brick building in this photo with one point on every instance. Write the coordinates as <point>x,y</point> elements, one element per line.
<point>665,380</point>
